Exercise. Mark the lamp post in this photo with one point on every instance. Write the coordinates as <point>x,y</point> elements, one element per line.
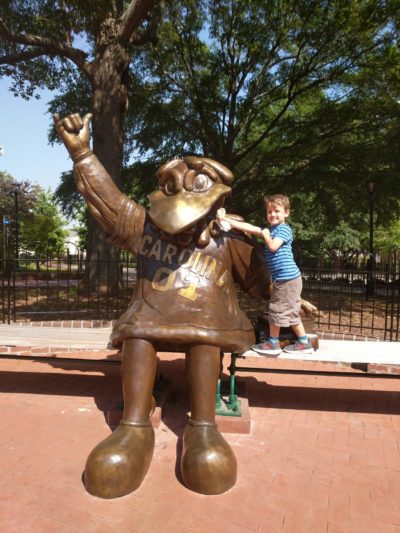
<point>371,220</point>
<point>17,190</point>
<point>371,260</point>
<point>6,253</point>
<point>78,253</point>
<point>73,244</point>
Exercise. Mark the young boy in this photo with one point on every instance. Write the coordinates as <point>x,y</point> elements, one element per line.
<point>284,305</point>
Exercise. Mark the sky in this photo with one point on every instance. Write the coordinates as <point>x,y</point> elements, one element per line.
<point>27,154</point>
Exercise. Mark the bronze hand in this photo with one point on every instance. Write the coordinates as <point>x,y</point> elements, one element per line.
<point>75,134</point>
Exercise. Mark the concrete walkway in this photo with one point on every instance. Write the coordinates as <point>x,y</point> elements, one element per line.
<point>53,339</point>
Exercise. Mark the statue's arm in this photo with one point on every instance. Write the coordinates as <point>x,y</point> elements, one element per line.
<point>120,217</point>
<point>249,268</point>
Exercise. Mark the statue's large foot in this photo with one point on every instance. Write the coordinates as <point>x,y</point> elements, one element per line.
<point>118,464</point>
<point>208,464</point>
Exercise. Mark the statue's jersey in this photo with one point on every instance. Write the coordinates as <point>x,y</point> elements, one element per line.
<point>183,295</point>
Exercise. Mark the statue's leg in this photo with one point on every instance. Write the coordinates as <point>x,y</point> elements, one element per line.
<point>208,464</point>
<point>118,465</point>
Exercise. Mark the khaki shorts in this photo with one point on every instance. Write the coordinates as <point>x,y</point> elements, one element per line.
<point>284,305</point>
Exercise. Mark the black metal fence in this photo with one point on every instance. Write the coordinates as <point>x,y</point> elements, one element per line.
<point>56,289</point>
<point>355,301</point>
<point>361,302</point>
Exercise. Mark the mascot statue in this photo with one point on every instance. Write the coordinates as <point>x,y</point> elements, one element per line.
<point>184,297</point>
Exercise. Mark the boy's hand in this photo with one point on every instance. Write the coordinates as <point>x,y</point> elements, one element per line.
<point>222,221</point>
<point>221,213</point>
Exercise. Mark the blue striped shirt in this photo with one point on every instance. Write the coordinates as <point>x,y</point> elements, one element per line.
<point>281,263</point>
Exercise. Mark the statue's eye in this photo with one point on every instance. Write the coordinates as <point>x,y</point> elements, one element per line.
<point>170,186</point>
<point>201,183</point>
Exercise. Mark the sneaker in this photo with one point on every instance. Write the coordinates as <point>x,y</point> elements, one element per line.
<point>267,348</point>
<point>299,348</point>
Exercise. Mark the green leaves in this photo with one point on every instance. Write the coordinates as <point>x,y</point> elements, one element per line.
<point>299,97</point>
<point>40,220</point>
<point>43,230</point>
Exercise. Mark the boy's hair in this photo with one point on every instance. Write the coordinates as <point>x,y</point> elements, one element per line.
<point>277,199</point>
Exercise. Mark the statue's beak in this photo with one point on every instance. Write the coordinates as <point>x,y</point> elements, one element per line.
<point>176,213</point>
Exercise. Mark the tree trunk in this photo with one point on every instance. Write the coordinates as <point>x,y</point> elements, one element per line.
<point>109,108</point>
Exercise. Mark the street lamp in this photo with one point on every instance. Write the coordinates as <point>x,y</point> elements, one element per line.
<point>17,190</point>
<point>73,244</point>
<point>6,235</point>
<point>78,253</point>
<point>371,219</point>
<point>371,260</point>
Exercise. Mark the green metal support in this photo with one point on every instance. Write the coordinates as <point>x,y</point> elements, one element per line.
<point>228,404</point>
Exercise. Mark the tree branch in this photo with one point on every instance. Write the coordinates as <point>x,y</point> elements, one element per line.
<point>13,59</point>
<point>149,34</point>
<point>134,14</point>
<point>42,46</point>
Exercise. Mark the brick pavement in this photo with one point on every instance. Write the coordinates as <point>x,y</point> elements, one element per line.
<point>323,453</point>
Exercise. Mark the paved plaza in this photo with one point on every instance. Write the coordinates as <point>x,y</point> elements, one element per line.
<point>322,455</point>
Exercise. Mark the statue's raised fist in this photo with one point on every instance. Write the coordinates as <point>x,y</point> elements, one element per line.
<point>75,134</point>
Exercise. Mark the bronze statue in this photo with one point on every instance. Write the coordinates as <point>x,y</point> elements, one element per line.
<point>185,296</point>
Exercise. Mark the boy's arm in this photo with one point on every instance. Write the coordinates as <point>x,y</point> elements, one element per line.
<point>244,226</point>
<point>272,244</point>
<point>233,222</point>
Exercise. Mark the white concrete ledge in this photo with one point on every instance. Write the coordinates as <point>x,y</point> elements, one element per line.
<point>385,353</point>
<point>77,338</point>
